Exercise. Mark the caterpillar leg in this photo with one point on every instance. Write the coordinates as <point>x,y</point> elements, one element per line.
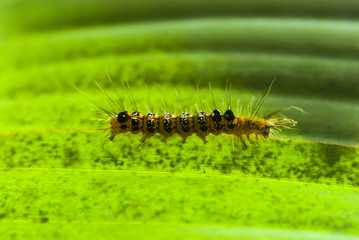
<point>183,139</point>
<point>259,137</point>
<point>249,139</point>
<point>143,139</point>
<point>163,139</point>
<point>243,143</point>
<point>113,135</point>
<point>139,146</point>
<point>204,140</point>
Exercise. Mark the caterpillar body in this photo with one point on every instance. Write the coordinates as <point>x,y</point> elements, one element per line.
<point>185,124</point>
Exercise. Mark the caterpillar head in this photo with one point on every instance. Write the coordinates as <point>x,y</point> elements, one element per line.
<point>267,129</point>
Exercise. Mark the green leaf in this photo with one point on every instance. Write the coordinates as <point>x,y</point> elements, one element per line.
<point>59,180</point>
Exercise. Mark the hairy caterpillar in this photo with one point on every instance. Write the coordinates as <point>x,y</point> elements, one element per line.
<point>186,124</point>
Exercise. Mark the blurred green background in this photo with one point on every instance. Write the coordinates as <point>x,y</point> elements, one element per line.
<point>58,184</point>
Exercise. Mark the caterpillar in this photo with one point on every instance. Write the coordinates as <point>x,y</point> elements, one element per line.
<point>186,124</point>
<point>202,124</point>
